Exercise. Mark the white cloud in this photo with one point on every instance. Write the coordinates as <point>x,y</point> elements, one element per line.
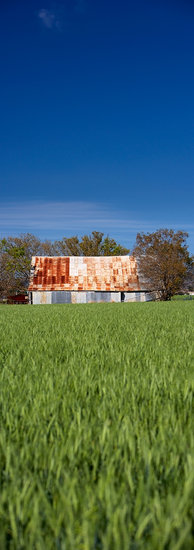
<point>64,215</point>
<point>56,219</point>
<point>49,19</point>
<point>54,18</point>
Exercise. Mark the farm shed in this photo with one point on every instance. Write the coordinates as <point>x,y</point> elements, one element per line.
<point>58,280</point>
<point>18,299</point>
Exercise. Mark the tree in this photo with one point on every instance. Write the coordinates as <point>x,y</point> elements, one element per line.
<point>68,246</point>
<point>15,261</point>
<point>90,245</point>
<point>163,261</point>
<point>188,283</point>
<point>111,248</point>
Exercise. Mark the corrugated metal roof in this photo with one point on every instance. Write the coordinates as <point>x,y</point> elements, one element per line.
<point>102,273</point>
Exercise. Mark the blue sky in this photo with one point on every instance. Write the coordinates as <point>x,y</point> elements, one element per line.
<point>97,117</point>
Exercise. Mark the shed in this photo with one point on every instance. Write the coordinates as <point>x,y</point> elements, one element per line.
<point>85,279</point>
<point>17,299</point>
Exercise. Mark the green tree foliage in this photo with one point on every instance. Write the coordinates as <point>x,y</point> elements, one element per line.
<point>90,245</point>
<point>111,248</point>
<point>163,260</point>
<point>15,261</point>
<point>68,246</point>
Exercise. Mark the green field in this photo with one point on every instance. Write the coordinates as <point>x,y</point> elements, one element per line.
<point>97,427</point>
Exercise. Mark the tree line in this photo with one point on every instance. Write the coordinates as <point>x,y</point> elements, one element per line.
<point>163,258</point>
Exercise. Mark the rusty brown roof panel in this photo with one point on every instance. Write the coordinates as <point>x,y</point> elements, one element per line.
<point>109,273</point>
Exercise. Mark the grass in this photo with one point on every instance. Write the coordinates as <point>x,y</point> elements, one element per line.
<point>183,297</point>
<point>96,438</point>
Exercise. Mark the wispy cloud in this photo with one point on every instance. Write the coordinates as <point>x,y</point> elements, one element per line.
<point>72,215</point>
<point>49,19</point>
<point>56,219</point>
<point>54,18</point>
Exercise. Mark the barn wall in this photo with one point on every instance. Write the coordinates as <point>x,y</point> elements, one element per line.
<point>60,297</point>
<point>77,297</point>
<point>134,296</point>
<point>140,296</point>
<point>42,297</point>
<point>74,297</point>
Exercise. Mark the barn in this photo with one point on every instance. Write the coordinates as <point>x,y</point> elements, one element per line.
<point>59,280</point>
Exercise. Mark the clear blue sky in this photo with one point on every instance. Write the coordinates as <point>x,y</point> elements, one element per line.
<point>97,117</point>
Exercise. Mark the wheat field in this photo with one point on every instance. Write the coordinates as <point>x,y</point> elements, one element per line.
<point>97,427</point>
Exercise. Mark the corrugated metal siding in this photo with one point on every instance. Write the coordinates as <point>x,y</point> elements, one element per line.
<point>80,297</point>
<point>89,297</point>
<point>42,297</point>
<point>61,297</point>
<point>151,296</point>
<point>131,296</point>
<point>73,297</point>
<point>102,274</point>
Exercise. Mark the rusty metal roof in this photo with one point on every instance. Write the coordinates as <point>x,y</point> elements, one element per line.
<point>103,273</point>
